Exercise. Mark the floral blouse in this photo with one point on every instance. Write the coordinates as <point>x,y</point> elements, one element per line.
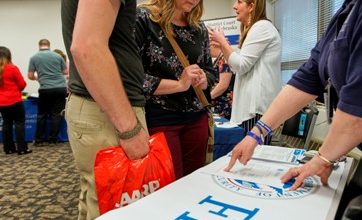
<point>161,62</point>
<point>222,104</point>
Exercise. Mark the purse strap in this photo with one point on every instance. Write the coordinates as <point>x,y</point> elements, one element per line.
<point>185,63</point>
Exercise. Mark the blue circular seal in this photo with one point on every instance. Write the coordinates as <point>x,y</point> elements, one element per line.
<point>265,191</point>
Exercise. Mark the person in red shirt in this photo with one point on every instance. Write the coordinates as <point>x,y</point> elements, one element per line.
<point>11,104</point>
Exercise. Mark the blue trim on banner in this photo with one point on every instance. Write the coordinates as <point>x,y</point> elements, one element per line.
<point>233,39</point>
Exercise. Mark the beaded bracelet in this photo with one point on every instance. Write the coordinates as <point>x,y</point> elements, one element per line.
<point>255,137</point>
<point>266,127</point>
<point>260,131</point>
<point>325,159</point>
<point>130,134</point>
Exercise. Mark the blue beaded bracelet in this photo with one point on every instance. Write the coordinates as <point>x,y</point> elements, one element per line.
<point>266,127</point>
<point>255,137</point>
<point>260,131</point>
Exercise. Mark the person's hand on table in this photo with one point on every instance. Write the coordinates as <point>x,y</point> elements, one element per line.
<point>316,166</point>
<point>242,152</point>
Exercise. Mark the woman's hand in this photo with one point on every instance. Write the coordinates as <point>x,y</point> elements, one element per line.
<point>316,166</point>
<point>217,37</point>
<point>192,75</point>
<point>242,152</point>
<point>201,80</point>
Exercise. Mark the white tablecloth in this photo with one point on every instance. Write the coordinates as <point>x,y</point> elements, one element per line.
<point>248,192</point>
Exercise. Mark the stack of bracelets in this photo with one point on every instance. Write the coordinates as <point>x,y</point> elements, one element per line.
<point>260,126</point>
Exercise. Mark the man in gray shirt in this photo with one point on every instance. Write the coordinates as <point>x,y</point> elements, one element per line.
<point>48,68</point>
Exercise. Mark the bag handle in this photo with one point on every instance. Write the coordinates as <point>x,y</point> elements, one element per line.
<point>185,63</point>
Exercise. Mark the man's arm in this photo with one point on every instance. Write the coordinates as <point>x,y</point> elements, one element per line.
<point>32,76</point>
<point>94,24</point>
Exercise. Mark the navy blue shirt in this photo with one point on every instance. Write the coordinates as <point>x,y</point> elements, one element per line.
<point>338,56</point>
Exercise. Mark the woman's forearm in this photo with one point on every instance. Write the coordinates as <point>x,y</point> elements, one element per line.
<point>344,134</point>
<point>223,84</point>
<point>168,86</point>
<point>226,48</point>
<point>288,102</point>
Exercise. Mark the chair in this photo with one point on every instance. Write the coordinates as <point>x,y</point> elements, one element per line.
<point>300,126</point>
<point>354,209</point>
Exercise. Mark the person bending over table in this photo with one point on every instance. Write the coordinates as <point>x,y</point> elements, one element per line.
<point>335,64</point>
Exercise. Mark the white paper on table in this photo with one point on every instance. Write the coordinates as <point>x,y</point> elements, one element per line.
<point>278,154</point>
<point>216,116</point>
<point>225,125</point>
<point>34,95</point>
<point>255,171</point>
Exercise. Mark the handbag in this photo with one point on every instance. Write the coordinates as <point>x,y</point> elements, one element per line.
<point>200,95</point>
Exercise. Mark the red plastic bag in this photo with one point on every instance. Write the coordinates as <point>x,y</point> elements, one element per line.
<point>120,181</point>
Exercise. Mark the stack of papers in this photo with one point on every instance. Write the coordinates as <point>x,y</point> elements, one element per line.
<point>225,125</point>
<point>278,154</point>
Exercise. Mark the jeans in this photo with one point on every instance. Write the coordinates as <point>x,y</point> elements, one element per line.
<point>50,105</point>
<point>14,115</point>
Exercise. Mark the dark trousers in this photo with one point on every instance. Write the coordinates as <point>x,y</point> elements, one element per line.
<point>50,105</point>
<point>352,190</point>
<point>187,144</point>
<point>249,124</point>
<point>13,115</point>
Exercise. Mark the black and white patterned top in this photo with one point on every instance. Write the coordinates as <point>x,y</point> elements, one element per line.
<point>161,62</point>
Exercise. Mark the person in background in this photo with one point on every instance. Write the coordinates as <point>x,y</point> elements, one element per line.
<point>172,106</point>
<point>64,56</point>
<point>106,103</point>
<point>48,68</point>
<point>222,92</point>
<point>61,53</point>
<point>256,65</point>
<point>335,63</point>
<point>11,104</point>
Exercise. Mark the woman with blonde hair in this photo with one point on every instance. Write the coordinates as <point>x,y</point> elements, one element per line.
<point>11,104</point>
<point>256,65</point>
<point>172,106</point>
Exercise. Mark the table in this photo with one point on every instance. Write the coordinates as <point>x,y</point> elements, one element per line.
<point>31,109</point>
<point>212,194</point>
<point>225,137</point>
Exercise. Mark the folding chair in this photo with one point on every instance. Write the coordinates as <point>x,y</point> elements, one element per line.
<point>300,126</point>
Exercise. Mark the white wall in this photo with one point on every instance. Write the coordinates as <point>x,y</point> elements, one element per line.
<point>24,23</point>
<point>224,8</point>
<point>218,9</point>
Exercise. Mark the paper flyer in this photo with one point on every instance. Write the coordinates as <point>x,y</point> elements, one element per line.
<point>278,154</point>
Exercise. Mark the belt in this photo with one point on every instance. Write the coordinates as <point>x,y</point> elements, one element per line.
<point>84,96</point>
